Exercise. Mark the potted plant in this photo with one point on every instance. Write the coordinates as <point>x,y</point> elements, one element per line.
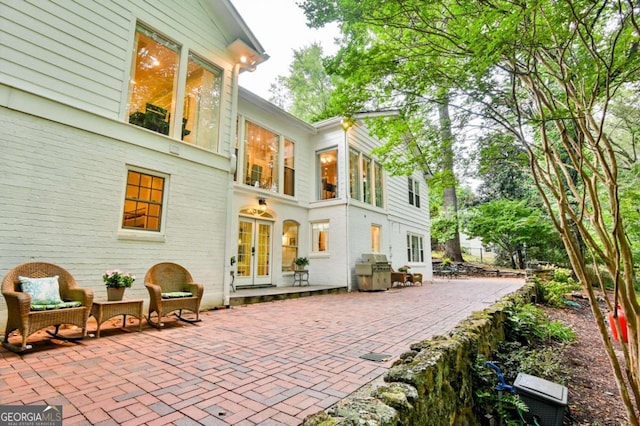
<point>116,281</point>
<point>301,263</point>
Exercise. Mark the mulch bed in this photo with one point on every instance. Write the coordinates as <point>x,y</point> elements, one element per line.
<point>593,393</point>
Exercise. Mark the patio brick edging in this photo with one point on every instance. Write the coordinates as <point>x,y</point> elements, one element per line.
<point>431,384</point>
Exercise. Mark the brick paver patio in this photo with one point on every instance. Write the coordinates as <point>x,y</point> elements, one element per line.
<point>264,364</point>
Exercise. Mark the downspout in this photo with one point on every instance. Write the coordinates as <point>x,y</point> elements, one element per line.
<point>230,220</point>
<point>347,205</point>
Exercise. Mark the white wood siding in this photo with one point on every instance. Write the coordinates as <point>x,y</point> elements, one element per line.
<point>78,52</point>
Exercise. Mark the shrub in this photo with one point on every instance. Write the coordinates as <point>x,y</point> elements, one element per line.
<point>552,292</point>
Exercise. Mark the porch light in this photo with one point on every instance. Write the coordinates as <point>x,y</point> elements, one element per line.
<point>263,203</point>
<point>247,57</point>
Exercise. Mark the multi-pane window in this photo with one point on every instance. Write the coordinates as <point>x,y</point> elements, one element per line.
<point>375,238</point>
<point>156,80</point>
<point>289,171</point>
<point>414,192</point>
<point>354,174</point>
<point>415,252</point>
<point>143,201</point>
<point>320,237</point>
<point>289,244</point>
<point>328,168</point>
<point>261,157</point>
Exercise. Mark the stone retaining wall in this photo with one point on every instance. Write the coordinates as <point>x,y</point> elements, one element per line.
<point>431,384</point>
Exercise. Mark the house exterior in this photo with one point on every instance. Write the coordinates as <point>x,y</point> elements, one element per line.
<point>328,200</point>
<point>127,142</point>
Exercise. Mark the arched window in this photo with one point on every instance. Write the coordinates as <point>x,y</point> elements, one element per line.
<point>289,244</point>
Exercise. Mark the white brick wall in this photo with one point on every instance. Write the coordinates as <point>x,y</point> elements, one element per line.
<point>62,193</point>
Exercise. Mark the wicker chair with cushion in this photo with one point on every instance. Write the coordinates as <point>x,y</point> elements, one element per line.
<point>39,295</point>
<point>171,289</point>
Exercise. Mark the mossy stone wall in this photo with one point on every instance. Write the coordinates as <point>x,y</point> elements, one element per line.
<point>431,384</point>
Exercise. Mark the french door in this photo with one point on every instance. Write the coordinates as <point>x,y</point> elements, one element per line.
<point>254,252</point>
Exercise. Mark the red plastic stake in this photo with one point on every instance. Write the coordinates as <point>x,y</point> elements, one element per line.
<point>623,325</point>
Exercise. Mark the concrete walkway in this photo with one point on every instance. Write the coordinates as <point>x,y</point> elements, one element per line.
<point>263,364</point>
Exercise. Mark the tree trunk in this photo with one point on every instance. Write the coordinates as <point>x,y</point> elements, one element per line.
<point>450,200</point>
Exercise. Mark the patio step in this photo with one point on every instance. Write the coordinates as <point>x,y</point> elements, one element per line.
<point>261,295</point>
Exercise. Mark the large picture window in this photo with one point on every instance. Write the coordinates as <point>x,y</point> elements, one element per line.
<point>328,168</point>
<point>261,157</point>
<point>143,201</point>
<point>155,81</point>
<point>201,109</point>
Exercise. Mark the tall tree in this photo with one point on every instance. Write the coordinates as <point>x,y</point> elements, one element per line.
<point>546,71</point>
<point>452,248</point>
<point>502,167</point>
<point>306,91</point>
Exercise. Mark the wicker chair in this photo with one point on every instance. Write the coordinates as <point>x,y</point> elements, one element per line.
<point>168,285</point>
<point>417,278</point>
<point>22,318</point>
<point>398,277</point>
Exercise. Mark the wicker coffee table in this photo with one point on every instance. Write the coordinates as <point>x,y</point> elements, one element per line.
<point>102,311</point>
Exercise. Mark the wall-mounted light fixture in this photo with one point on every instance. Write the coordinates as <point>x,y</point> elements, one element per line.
<point>263,203</point>
<point>346,123</point>
<point>247,57</point>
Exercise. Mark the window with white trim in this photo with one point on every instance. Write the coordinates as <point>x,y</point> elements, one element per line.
<point>375,238</point>
<point>415,252</point>
<point>327,166</point>
<point>414,192</point>
<point>144,201</point>
<point>365,179</point>
<point>289,244</point>
<point>320,237</point>
<point>156,82</point>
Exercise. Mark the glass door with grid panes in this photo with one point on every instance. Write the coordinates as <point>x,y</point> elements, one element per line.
<point>254,252</point>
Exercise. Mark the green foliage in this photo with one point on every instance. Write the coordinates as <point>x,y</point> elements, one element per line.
<point>533,345</point>
<point>540,361</point>
<point>546,72</point>
<point>306,92</point>
<point>503,169</point>
<point>508,224</point>
<point>301,261</point>
<point>528,325</point>
<point>443,228</point>
<point>553,291</point>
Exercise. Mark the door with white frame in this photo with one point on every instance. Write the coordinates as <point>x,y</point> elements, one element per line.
<point>254,265</point>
